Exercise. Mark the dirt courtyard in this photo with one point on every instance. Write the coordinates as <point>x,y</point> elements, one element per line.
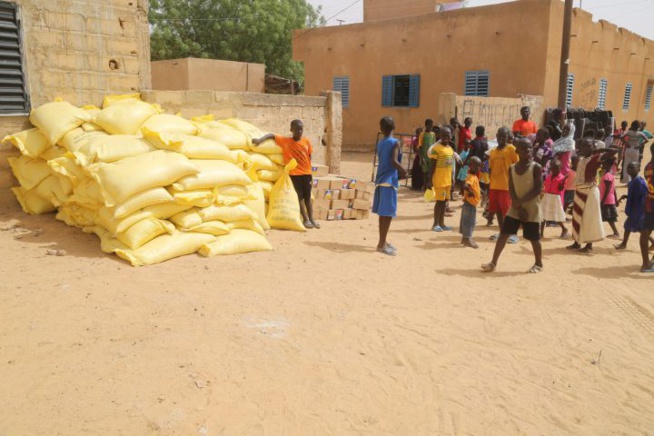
<point>324,336</point>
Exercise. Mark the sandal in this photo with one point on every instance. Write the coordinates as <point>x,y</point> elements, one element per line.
<point>488,267</point>
<point>387,251</point>
<point>494,237</point>
<point>535,269</point>
<point>446,228</point>
<point>308,224</point>
<point>315,225</point>
<point>437,229</point>
<point>391,246</point>
<point>648,270</point>
<point>513,239</point>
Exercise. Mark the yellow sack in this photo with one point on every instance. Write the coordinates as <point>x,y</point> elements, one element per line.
<point>284,206</point>
<point>187,219</point>
<point>68,167</point>
<point>203,119</point>
<point>120,180</point>
<point>76,138</point>
<point>29,172</point>
<point>240,156</point>
<point>32,203</point>
<point>277,158</point>
<point>230,137</point>
<point>248,224</point>
<point>271,176</point>
<point>125,118</point>
<point>263,162</point>
<point>53,152</point>
<point>166,247</point>
<point>164,211</point>
<point>212,173</point>
<point>268,146</point>
<point>91,127</point>
<point>167,123</point>
<point>226,213</point>
<point>193,147</point>
<point>257,199</point>
<point>267,187</point>
<point>216,228</point>
<point>77,216</point>
<point>240,192</point>
<point>31,143</point>
<point>236,242</point>
<point>249,129</point>
<point>199,197</point>
<point>111,148</point>
<point>56,119</point>
<point>108,244</point>
<point>87,193</point>
<point>430,195</point>
<point>119,98</point>
<point>144,231</point>
<point>56,189</point>
<point>149,197</point>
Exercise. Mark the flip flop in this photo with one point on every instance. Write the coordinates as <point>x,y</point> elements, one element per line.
<point>488,267</point>
<point>447,228</point>
<point>387,251</point>
<point>308,225</point>
<point>391,246</point>
<point>648,270</point>
<point>315,225</point>
<point>513,239</point>
<point>437,229</point>
<point>494,237</point>
<point>535,269</point>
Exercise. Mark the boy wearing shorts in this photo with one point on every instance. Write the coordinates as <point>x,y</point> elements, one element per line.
<point>440,177</point>
<point>500,160</point>
<point>299,148</point>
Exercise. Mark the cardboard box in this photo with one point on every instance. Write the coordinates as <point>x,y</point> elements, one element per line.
<point>336,194</point>
<point>348,194</point>
<point>314,193</point>
<point>362,214</point>
<point>365,186</point>
<point>318,170</point>
<point>323,194</point>
<point>338,214</point>
<point>349,214</point>
<point>331,215</point>
<point>322,183</point>
<point>338,183</point>
<point>361,204</point>
<point>320,214</point>
<point>340,204</point>
<point>363,195</point>
<point>321,204</point>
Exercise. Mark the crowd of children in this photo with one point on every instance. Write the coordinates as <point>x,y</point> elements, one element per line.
<point>527,181</point>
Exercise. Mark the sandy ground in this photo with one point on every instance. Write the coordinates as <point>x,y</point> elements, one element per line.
<point>323,336</point>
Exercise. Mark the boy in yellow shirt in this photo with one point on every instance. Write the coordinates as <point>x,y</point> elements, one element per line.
<point>500,160</point>
<point>440,177</point>
<point>471,199</point>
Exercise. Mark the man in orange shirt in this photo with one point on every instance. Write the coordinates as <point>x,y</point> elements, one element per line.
<point>299,148</point>
<point>524,126</point>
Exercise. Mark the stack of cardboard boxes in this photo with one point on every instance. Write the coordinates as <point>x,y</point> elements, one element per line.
<point>339,198</point>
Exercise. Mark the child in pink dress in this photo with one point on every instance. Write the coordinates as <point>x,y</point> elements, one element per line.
<point>552,204</point>
<point>607,196</point>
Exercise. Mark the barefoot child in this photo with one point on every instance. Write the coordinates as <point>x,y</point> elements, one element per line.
<point>440,177</point>
<point>635,208</point>
<point>471,199</point>
<point>299,148</point>
<point>525,185</point>
<point>387,183</point>
<point>607,194</point>
<point>552,205</point>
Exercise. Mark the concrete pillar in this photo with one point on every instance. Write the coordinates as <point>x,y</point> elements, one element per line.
<point>143,41</point>
<point>333,130</point>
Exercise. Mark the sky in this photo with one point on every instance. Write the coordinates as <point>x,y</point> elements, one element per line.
<point>634,15</point>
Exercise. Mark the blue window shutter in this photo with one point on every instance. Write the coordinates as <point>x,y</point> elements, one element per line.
<point>387,91</point>
<point>414,90</point>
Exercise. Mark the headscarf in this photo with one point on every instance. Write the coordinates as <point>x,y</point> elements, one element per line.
<point>565,143</point>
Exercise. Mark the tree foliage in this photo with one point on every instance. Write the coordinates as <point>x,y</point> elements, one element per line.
<point>257,31</point>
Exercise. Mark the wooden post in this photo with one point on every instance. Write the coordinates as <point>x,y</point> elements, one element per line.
<point>565,54</point>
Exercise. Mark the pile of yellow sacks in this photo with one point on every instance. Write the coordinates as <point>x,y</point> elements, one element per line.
<point>154,186</point>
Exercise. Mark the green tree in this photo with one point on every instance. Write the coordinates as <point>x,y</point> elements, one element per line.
<point>236,30</point>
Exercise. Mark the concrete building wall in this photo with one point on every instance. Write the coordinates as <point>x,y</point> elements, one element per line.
<point>375,10</point>
<point>439,47</point>
<point>208,74</point>
<point>271,113</point>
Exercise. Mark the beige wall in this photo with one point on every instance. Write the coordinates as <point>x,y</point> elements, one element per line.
<point>208,74</point>
<point>271,113</point>
<point>440,47</point>
<point>375,10</point>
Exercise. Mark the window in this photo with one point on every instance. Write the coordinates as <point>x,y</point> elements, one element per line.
<point>342,85</point>
<point>568,91</point>
<point>401,91</point>
<point>601,97</point>
<point>476,83</point>
<point>627,97</point>
<point>648,96</point>
<point>13,96</point>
